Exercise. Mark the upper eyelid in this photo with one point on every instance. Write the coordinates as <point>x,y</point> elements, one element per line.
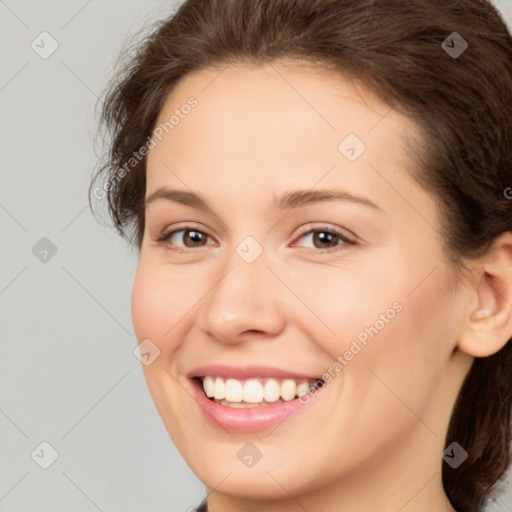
<point>340,231</point>
<point>308,229</point>
<point>302,230</point>
<point>187,227</point>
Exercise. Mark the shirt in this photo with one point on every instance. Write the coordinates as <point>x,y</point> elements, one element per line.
<point>203,507</point>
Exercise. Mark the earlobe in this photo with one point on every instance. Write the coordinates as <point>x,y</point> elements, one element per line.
<point>489,324</point>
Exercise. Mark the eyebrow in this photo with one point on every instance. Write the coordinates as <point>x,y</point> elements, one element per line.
<point>288,201</point>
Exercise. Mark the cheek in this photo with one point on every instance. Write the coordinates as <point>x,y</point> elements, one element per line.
<point>405,361</point>
<point>160,301</point>
<point>355,302</point>
<point>146,306</point>
<point>382,319</point>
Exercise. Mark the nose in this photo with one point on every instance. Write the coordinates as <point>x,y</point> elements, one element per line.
<point>245,301</point>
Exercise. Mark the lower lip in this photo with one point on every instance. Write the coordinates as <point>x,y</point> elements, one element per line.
<point>247,419</point>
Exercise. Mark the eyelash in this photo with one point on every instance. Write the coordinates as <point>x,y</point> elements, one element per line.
<point>346,241</point>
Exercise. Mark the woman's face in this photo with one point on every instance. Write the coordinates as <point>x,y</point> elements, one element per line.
<point>270,283</point>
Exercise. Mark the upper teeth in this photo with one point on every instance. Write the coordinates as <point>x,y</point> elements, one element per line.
<point>254,390</point>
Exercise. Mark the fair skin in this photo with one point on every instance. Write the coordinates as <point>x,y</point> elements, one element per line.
<point>372,438</point>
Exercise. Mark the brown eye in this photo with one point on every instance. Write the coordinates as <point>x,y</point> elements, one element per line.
<point>326,236</point>
<point>190,237</point>
<point>324,240</point>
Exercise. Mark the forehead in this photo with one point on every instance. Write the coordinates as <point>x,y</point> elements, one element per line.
<point>277,94</point>
<point>281,123</point>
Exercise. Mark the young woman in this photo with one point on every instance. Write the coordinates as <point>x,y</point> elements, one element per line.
<point>320,195</point>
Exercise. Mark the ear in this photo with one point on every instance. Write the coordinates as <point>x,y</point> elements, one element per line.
<point>488,325</point>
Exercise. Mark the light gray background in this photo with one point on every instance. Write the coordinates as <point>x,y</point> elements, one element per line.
<point>68,375</point>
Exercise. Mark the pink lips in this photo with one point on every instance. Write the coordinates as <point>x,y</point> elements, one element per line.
<point>248,372</point>
<point>245,419</point>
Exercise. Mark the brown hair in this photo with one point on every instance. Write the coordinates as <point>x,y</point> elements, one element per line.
<point>462,104</point>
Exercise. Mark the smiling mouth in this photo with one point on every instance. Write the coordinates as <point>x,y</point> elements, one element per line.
<point>255,392</point>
